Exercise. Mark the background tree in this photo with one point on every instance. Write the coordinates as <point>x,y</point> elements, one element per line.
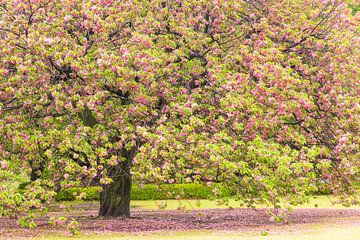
<point>259,95</point>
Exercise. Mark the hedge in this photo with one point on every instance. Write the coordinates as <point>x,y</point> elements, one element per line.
<point>148,192</point>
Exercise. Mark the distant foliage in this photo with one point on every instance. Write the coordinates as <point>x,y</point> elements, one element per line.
<point>149,192</point>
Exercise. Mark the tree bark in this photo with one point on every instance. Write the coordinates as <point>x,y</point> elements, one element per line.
<point>37,169</point>
<point>115,197</point>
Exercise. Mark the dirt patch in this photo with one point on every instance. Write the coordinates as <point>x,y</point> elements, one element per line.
<point>162,220</point>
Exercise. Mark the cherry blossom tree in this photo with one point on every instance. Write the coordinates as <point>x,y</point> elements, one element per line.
<point>261,96</point>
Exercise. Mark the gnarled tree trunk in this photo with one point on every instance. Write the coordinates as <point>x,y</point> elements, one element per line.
<point>115,197</point>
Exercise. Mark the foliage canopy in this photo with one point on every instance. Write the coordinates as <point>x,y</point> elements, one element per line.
<point>260,95</point>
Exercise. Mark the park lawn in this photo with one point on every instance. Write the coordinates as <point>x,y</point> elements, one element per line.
<point>317,201</point>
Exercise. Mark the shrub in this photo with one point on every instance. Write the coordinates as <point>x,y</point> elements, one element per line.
<point>149,192</point>
<point>87,193</point>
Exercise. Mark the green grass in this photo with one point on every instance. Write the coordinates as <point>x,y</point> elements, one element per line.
<point>172,204</point>
<point>319,201</point>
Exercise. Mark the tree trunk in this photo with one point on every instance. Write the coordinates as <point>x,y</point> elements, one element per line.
<point>37,169</point>
<point>115,197</point>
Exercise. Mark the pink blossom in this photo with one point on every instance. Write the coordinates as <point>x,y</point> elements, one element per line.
<point>48,41</point>
<point>4,165</point>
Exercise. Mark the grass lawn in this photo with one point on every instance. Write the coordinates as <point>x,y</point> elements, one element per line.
<point>318,201</point>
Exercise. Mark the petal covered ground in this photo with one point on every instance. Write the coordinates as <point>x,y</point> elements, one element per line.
<point>171,220</point>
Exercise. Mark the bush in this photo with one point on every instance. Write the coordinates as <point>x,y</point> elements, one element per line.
<point>70,194</point>
<point>155,192</point>
<point>149,192</point>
